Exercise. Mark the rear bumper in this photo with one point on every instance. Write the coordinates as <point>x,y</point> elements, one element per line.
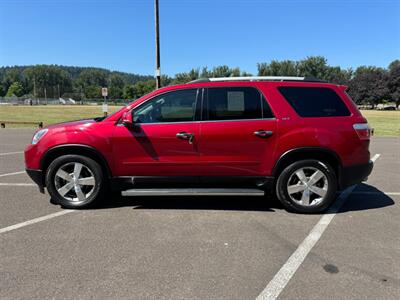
<point>37,177</point>
<point>355,174</point>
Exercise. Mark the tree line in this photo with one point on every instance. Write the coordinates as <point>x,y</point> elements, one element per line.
<point>368,85</point>
<point>53,81</point>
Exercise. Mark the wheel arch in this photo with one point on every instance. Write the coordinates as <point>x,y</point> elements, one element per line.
<point>77,149</point>
<point>320,153</point>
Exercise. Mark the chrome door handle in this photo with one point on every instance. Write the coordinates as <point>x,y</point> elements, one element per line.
<point>263,133</point>
<point>185,136</point>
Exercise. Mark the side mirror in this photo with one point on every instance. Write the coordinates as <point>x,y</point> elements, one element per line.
<point>127,119</point>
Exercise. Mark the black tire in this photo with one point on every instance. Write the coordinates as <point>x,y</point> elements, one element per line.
<point>96,192</point>
<point>321,202</point>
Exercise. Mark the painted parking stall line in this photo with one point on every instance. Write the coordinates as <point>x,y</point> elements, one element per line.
<point>375,157</point>
<point>16,184</point>
<point>10,174</point>
<point>11,153</point>
<point>36,220</point>
<point>377,193</point>
<point>286,272</point>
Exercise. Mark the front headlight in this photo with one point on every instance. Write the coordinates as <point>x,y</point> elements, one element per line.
<point>38,135</point>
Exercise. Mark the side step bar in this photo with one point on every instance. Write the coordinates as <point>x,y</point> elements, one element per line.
<point>193,192</point>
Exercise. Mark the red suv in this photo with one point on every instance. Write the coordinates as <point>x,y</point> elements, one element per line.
<point>302,139</point>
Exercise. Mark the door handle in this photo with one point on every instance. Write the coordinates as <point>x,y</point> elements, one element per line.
<point>263,133</point>
<point>185,136</point>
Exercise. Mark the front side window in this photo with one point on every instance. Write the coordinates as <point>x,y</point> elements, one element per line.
<point>235,103</point>
<point>314,101</point>
<point>176,106</point>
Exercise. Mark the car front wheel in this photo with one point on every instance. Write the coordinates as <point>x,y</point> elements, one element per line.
<point>74,181</point>
<point>307,186</point>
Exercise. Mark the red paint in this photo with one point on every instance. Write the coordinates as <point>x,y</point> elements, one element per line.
<point>219,147</point>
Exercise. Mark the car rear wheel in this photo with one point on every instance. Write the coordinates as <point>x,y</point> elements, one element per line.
<point>307,186</point>
<point>75,181</point>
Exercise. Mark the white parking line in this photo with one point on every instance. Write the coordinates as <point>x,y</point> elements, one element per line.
<point>16,184</point>
<point>37,220</point>
<point>10,174</point>
<point>375,157</point>
<point>281,279</point>
<point>11,153</point>
<point>377,193</point>
<point>286,272</point>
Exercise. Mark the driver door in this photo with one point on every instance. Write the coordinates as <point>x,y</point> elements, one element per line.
<point>164,138</point>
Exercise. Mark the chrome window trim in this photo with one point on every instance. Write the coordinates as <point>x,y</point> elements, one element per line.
<point>197,122</point>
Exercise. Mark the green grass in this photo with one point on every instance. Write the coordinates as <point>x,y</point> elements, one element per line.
<point>50,114</point>
<point>385,123</point>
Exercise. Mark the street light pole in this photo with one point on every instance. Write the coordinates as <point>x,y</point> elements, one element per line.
<point>158,71</point>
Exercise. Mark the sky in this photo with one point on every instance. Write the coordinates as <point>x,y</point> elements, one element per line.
<point>119,34</point>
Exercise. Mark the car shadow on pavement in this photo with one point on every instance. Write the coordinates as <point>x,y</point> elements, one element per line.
<point>366,197</point>
<point>229,203</point>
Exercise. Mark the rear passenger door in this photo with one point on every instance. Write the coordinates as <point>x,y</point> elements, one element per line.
<point>237,133</point>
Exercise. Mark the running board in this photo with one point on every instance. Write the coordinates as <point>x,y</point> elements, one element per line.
<point>193,192</point>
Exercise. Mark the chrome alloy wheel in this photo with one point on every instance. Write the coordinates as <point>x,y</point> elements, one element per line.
<point>74,182</point>
<point>307,186</point>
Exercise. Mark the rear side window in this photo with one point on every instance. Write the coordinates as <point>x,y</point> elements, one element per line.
<point>235,103</point>
<point>314,101</point>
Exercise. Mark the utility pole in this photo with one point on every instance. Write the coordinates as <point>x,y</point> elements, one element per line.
<point>158,70</point>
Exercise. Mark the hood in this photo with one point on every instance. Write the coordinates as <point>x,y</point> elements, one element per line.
<point>71,123</point>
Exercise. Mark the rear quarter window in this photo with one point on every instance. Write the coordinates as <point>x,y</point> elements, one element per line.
<point>314,101</point>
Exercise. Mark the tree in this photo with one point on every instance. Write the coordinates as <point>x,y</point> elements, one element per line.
<point>116,86</point>
<point>393,83</point>
<point>15,89</point>
<point>369,86</point>
<point>90,81</point>
<point>185,77</point>
<point>129,92</point>
<point>92,77</point>
<point>338,76</point>
<point>314,67</point>
<point>278,68</point>
<point>92,92</point>
<point>225,71</point>
<point>218,71</point>
<point>51,78</point>
<point>139,89</point>
<point>10,76</point>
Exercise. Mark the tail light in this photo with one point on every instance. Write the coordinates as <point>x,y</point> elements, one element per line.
<point>364,131</point>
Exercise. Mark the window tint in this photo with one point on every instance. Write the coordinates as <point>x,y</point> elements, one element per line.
<point>314,101</point>
<point>177,106</point>
<point>235,103</point>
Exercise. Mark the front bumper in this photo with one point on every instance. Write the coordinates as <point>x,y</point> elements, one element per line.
<point>355,174</point>
<point>37,177</point>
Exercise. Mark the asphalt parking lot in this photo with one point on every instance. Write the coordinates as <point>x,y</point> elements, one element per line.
<point>199,247</point>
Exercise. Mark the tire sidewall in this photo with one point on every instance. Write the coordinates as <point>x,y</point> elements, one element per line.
<point>87,162</point>
<point>284,197</point>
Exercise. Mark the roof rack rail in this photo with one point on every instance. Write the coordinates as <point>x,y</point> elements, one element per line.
<point>257,78</point>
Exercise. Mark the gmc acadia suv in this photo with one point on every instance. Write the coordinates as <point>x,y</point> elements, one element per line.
<point>301,139</point>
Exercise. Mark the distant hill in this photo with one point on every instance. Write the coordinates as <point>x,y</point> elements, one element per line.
<point>129,78</point>
<point>55,81</point>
